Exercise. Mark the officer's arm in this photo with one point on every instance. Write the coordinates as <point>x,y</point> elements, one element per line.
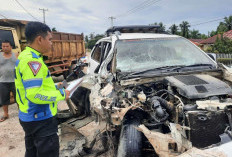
<point>33,82</point>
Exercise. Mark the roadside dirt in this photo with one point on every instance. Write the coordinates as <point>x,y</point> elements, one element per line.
<point>11,134</point>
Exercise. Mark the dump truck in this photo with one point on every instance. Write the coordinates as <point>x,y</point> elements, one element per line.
<point>67,48</point>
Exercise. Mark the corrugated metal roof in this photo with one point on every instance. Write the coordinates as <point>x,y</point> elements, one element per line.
<point>228,34</point>
<point>196,40</point>
<point>213,39</point>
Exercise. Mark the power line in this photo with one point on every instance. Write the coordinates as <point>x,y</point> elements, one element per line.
<point>207,22</point>
<point>135,8</point>
<point>26,10</point>
<point>145,6</point>
<point>3,16</point>
<point>139,7</point>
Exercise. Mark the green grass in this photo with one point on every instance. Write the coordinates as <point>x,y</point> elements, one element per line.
<point>224,59</point>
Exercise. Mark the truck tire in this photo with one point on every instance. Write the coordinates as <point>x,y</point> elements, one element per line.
<point>130,142</point>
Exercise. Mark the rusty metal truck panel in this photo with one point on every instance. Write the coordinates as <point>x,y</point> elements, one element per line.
<point>66,50</point>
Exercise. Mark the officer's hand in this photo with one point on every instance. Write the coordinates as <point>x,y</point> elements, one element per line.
<point>59,84</point>
<point>67,93</point>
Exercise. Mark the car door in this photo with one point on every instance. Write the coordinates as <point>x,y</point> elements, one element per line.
<point>98,55</point>
<point>95,56</point>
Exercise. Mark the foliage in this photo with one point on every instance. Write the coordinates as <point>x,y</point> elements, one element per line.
<point>54,29</point>
<point>184,27</point>
<point>222,45</point>
<point>174,29</point>
<point>86,38</point>
<point>194,34</point>
<point>162,26</point>
<point>91,36</point>
<point>209,49</point>
<point>92,40</point>
<point>203,36</point>
<point>228,22</point>
<point>213,33</point>
<point>221,28</point>
<point>224,59</point>
<point>224,26</point>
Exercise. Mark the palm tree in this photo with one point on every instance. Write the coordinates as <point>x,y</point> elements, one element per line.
<point>228,22</point>
<point>194,34</point>
<point>184,27</point>
<point>161,25</point>
<point>173,29</point>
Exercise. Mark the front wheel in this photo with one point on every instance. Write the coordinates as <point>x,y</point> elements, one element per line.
<point>130,142</point>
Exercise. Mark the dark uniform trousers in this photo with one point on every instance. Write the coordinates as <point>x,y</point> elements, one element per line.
<point>41,139</point>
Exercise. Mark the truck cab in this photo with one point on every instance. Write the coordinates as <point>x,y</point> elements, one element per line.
<point>8,33</point>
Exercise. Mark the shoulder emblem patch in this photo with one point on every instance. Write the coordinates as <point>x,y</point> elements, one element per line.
<point>35,67</point>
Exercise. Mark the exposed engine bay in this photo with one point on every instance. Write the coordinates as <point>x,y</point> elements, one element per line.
<point>187,110</point>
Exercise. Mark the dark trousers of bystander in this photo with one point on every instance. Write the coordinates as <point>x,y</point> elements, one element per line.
<point>5,89</point>
<point>41,139</point>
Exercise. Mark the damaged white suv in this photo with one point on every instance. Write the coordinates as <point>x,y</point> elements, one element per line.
<point>162,94</point>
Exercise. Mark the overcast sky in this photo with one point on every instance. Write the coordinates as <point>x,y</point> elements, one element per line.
<point>77,16</point>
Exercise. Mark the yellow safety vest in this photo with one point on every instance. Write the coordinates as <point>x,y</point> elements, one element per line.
<point>36,92</point>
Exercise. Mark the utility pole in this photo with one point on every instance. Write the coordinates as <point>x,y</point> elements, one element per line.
<point>112,20</point>
<point>43,13</point>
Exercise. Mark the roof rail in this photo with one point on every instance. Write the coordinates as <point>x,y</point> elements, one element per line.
<point>135,29</point>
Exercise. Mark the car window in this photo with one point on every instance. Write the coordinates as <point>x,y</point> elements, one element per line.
<point>6,35</point>
<point>105,48</point>
<point>96,55</point>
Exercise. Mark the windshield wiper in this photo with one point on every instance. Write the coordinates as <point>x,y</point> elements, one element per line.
<point>195,65</point>
<point>166,68</point>
<point>155,69</point>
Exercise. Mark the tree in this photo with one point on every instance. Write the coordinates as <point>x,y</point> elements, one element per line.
<point>161,25</point>
<point>222,45</point>
<point>174,29</point>
<point>221,28</point>
<point>184,27</point>
<point>203,36</point>
<point>86,41</point>
<point>228,22</point>
<point>93,41</point>
<point>86,38</point>
<point>91,36</point>
<point>194,34</point>
<point>212,33</point>
<point>54,29</point>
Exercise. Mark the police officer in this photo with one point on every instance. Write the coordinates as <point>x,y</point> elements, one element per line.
<point>37,94</point>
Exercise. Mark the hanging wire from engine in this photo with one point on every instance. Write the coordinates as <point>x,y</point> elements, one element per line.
<point>110,137</point>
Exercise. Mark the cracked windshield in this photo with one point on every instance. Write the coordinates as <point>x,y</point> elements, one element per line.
<point>134,55</point>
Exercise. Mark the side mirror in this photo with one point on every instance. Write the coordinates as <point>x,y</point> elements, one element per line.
<point>212,56</point>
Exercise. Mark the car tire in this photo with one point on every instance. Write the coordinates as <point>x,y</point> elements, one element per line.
<point>130,142</point>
